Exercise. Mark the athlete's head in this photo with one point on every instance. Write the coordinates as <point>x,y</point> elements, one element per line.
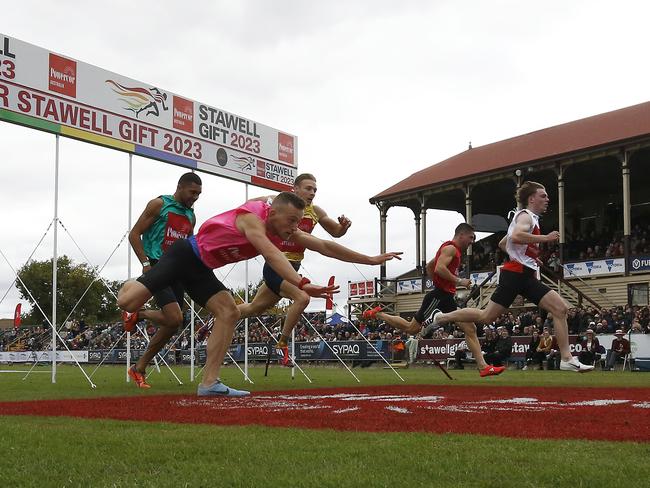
<point>533,196</point>
<point>464,235</point>
<point>285,214</point>
<point>188,189</point>
<point>305,187</point>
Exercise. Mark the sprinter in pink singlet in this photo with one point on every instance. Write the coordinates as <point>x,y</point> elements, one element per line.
<point>250,230</point>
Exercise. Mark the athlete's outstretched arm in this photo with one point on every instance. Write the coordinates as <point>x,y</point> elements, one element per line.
<point>253,228</point>
<point>337,251</point>
<point>333,227</point>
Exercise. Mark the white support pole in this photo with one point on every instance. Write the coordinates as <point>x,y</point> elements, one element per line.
<point>128,263</point>
<point>55,259</point>
<point>192,342</point>
<point>246,300</point>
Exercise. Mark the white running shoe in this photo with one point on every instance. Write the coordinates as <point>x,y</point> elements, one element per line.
<point>575,365</point>
<point>429,325</point>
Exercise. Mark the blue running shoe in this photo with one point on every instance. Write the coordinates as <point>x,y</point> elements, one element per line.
<point>219,389</point>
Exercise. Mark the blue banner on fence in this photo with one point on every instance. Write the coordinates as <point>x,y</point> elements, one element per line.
<point>639,263</point>
<point>259,351</point>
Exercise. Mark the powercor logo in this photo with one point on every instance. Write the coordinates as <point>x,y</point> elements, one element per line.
<point>285,148</point>
<point>63,76</point>
<point>183,114</point>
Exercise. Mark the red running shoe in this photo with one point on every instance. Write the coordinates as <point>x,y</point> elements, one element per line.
<point>286,360</point>
<point>491,371</point>
<point>129,319</point>
<point>371,313</point>
<point>138,378</point>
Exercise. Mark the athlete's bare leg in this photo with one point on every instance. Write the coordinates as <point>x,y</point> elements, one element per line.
<point>265,299</point>
<point>555,304</point>
<point>226,314</point>
<point>472,342</point>
<point>412,327</point>
<point>297,307</point>
<point>169,316</point>
<point>169,319</point>
<point>262,301</point>
<point>475,315</point>
<point>132,296</point>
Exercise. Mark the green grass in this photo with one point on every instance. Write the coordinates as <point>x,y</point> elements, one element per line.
<point>110,380</point>
<point>40,451</point>
<point>75,452</point>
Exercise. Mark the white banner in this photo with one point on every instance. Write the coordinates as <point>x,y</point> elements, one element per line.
<point>594,268</point>
<point>478,278</point>
<point>50,92</point>
<point>43,356</point>
<point>409,286</point>
<point>639,343</point>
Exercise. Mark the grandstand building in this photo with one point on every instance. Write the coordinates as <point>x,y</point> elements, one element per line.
<point>597,174</point>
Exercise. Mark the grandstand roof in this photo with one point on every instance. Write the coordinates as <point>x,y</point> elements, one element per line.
<point>618,126</point>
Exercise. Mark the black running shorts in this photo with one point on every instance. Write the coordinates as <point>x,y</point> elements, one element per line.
<point>436,298</point>
<point>181,265</point>
<point>170,294</point>
<point>273,280</point>
<point>512,284</point>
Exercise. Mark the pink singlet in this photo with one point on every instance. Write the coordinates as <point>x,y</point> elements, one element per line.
<point>220,242</point>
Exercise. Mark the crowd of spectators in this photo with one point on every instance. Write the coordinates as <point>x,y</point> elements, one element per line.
<point>580,246</point>
<point>607,244</point>
<point>313,327</point>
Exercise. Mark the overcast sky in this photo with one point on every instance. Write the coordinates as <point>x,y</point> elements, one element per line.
<point>374,90</point>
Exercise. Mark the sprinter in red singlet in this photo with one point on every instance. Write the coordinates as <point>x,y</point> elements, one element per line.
<point>519,275</point>
<point>443,270</point>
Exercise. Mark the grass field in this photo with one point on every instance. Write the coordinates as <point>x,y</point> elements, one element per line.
<point>59,451</point>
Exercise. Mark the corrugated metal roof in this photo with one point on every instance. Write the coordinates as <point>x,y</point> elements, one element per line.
<point>558,141</point>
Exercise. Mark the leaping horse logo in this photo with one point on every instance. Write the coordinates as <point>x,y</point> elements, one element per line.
<point>139,99</point>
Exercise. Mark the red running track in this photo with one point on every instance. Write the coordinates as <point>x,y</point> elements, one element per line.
<point>615,414</point>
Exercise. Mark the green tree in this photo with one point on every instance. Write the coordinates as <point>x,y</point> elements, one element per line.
<point>98,304</point>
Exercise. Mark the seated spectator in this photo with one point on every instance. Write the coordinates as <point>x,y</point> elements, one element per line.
<point>489,344</point>
<point>590,347</point>
<point>460,355</point>
<point>532,349</point>
<point>544,348</point>
<point>553,357</point>
<point>502,350</point>
<point>620,348</point>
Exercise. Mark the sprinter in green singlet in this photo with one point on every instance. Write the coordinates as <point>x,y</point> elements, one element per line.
<point>165,219</point>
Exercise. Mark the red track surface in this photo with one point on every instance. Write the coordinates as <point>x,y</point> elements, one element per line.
<point>618,414</point>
